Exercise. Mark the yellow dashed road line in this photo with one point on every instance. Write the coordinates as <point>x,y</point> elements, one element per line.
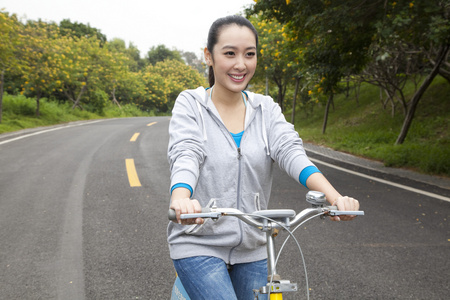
<point>132,174</point>
<point>129,163</point>
<point>134,137</point>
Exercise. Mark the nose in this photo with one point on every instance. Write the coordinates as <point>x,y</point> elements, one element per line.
<point>240,63</point>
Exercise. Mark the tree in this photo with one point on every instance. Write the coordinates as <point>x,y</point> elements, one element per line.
<point>192,60</point>
<point>276,61</point>
<point>9,27</point>
<point>88,67</point>
<point>37,54</point>
<point>161,53</point>
<point>411,42</point>
<point>335,36</point>
<point>425,24</point>
<point>81,30</point>
<point>117,45</point>
<point>165,80</point>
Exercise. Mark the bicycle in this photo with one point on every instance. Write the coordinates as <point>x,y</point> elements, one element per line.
<point>271,222</point>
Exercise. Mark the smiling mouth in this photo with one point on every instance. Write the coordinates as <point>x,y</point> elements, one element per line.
<point>237,77</point>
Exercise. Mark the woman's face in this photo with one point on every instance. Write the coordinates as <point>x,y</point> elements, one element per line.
<point>234,58</point>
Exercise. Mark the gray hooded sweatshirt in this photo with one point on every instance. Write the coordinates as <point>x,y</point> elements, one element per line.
<point>203,154</point>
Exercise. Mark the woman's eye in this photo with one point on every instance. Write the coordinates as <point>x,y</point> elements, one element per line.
<point>251,54</point>
<point>229,53</point>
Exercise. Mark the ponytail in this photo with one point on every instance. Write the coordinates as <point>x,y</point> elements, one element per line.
<point>211,76</point>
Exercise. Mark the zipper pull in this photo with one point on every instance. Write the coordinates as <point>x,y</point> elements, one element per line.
<point>239,153</point>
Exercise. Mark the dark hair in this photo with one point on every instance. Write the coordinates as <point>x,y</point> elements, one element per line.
<point>214,31</point>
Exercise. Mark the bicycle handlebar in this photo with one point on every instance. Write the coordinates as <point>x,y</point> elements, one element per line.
<point>257,218</point>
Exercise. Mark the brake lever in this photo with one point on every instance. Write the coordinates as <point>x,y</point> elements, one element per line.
<point>344,212</point>
<point>212,215</point>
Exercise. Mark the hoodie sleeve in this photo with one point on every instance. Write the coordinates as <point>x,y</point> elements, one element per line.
<point>286,146</point>
<point>186,151</point>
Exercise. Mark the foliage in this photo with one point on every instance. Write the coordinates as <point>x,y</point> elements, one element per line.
<point>134,61</point>
<point>67,28</point>
<point>332,34</point>
<point>161,53</point>
<point>370,131</point>
<point>165,80</point>
<point>392,41</point>
<point>75,63</point>
<point>20,113</point>
<point>8,41</point>
<point>278,59</point>
<point>192,60</point>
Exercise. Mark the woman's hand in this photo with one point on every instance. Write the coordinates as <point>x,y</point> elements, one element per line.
<point>186,206</point>
<point>345,203</point>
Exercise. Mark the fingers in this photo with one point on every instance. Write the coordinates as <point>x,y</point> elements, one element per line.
<point>345,203</point>
<point>186,206</point>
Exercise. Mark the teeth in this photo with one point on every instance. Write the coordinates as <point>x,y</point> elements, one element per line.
<point>237,77</point>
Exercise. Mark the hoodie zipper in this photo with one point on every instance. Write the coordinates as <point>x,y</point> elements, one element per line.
<point>238,197</point>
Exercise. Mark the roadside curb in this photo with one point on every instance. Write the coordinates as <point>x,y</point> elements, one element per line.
<point>439,184</point>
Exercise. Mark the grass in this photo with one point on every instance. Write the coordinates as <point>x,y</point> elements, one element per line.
<point>365,129</point>
<point>19,112</point>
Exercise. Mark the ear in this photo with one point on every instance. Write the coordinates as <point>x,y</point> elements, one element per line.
<point>208,56</point>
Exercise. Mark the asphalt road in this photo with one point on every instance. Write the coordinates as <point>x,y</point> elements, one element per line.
<point>72,227</point>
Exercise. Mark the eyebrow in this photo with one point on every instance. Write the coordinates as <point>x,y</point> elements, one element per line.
<point>233,47</point>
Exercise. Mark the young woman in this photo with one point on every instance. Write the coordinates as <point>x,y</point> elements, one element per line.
<point>223,143</point>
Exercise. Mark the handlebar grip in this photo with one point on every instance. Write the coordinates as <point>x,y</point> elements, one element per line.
<point>173,217</point>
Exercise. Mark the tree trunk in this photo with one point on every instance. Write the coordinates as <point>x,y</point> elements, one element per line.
<point>114,97</point>
<point>327,109</point>
<point>2,78</point>
<point>79,97</point>
<point>357,89</point>
<point>419,93</point>
<point>267,86</point>
<point>38,98</point>
<point>280,97</point>
<point>297,83</point>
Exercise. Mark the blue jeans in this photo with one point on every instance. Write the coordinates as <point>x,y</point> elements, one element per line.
<point>206,277</point>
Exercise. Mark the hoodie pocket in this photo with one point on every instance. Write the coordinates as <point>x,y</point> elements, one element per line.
<point>193,229</point>
<point>222,232</point>
<point>252,202</point>
<point>252,237</point>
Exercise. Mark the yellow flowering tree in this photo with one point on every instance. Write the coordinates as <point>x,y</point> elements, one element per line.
<point>165,80</point>
<point>86,68</point>
<point>277,61</point>
<point>36,52</point>
<point>9,39</point>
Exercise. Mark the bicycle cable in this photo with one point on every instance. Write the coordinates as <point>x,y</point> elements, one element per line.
<point>291,234</point>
